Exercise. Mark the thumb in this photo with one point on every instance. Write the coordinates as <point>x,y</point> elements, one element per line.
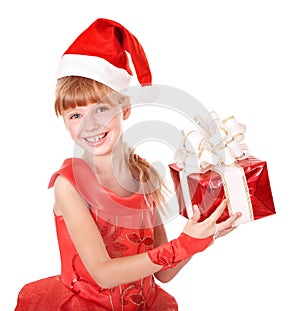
<point>196,216</point>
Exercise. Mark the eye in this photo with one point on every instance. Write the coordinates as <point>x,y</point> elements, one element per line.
<point>101,109</point>
<point>75,116</point>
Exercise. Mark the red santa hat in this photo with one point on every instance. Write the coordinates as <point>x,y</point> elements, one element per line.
<point>99,53</point>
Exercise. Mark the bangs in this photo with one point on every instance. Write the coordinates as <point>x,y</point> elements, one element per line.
<point>73,91</point>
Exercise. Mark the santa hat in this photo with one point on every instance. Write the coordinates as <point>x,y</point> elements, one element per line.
<point>99,53</point>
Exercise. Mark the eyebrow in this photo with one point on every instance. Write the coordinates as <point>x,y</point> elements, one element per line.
<point>100,102</point>
<point>78,108</point>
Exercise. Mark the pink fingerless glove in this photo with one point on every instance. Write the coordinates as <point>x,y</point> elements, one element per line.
<point>170,254</point>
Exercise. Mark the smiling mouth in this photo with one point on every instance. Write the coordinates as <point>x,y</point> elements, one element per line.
<point>95,139</point>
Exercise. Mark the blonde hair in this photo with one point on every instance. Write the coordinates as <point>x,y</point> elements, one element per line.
<point>73,91</point>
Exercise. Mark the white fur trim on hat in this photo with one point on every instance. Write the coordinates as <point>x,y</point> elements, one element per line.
<point>95,68</point>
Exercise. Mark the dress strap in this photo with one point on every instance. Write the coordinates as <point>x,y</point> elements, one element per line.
<point>66,171</point>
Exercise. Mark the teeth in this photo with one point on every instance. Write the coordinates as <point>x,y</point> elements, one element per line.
<point>95,139</point>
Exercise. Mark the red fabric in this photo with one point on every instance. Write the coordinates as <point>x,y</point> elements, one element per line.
<point>75,289</point>
<point>50,294</point>
<point>170,254</point>
<point>110,40</point>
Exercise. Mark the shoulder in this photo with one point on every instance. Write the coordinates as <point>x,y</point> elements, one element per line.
<point>65,170</point>
<point>66,198</point>
<point>76,180</point>
<point>71,169</point>
<point>62,186</point>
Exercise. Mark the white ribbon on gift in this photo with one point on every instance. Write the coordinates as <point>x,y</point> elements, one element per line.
<point>216,145</point>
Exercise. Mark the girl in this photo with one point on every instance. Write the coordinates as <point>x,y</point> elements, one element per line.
<point>112,242</point>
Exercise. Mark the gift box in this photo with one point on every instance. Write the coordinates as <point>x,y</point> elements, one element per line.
<point>207,190</point>
<point>213,163</point>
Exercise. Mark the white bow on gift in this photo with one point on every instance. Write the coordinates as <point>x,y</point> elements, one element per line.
<point>212,143</point>
<point>216,145</point>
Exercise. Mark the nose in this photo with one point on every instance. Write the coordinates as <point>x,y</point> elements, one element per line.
<point>91,122</point>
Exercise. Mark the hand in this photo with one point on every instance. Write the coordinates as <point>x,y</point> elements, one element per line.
<point>209,226</point>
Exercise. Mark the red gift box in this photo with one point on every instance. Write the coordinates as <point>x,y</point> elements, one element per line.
<point>206,189</point>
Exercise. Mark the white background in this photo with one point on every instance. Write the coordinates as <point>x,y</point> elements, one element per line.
<point>236,57</point>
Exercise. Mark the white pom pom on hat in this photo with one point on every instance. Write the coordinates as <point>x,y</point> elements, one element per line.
<point>99,53</point>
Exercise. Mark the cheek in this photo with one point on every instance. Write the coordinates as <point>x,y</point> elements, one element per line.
<point>73,130</point>
<point>116,123</point>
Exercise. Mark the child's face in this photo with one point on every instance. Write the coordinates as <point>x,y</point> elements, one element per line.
<point>96,128</point>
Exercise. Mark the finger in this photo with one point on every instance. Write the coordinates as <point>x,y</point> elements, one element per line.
<point>228,223</point>
<point>196,215</point>
<point>219,210</point>
<point>226,231</point>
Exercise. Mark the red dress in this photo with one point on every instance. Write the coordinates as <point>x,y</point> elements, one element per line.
<point>75,289</point>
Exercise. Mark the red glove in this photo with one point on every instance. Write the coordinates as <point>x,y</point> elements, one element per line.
<point>170,254</point>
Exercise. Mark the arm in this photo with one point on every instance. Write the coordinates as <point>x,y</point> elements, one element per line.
<point>89,244</point>
<point>196,237</point>
<point>165,276</point>
<point>109,272</point>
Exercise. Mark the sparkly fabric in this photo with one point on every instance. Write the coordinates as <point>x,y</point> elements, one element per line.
<point>75,289</point>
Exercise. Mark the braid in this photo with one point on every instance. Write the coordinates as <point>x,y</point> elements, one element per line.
<point>151,182</point>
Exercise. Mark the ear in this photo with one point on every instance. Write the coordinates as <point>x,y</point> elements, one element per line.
<point>126,110</point>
